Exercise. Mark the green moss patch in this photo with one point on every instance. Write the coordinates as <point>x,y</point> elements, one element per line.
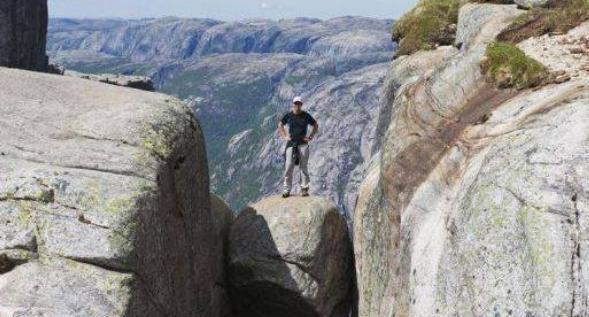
<point>430,23</point>
<point>559,17</point>
<point>508,66</point>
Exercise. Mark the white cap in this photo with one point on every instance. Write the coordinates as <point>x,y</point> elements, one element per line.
<point>297,99</point>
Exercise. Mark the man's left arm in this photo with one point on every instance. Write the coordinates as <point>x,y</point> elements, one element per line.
<point>314,131</point>
<point>315,125</point>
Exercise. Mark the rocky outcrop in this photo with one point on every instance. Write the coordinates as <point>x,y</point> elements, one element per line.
<point>290,258</point>
<point>104,202</point>
<point>528,4</point>
<point>23,34</point>
<point>138,82</point>
<point>477,202</point>
<point>240,77</point>
<point>566,55</point>
<point>478,23</point>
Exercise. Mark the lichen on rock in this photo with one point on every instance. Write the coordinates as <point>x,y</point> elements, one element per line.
<point>99,232</point>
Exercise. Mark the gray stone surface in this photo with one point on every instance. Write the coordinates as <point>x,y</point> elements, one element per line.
<point>476,205</point>
<point>480,23</point>
<point>138,82</point>
<point>23,34</point>
<point>104,200</point>
<point>290,258</point>
<point>532,3</point>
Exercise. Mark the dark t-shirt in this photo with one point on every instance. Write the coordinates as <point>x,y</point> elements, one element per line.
<point>297,125</point>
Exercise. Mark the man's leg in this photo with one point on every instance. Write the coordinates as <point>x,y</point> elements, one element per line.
<point>288,170</point>
<point>304,166</point>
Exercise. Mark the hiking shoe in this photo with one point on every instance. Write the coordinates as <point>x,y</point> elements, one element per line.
<point>305,192</point>
<point>285,194</point>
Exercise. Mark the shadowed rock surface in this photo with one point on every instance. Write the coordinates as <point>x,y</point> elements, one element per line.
<point>240,77</point>
<point>23,34</point>
<point>290,258</point>
<point>477,202</point>
<point>222,220</point>
<point>104,200</point>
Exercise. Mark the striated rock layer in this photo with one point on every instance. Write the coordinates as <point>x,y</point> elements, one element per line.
<point>104,202</point>
<point>23,34</point>
<point>290,258</point>
<point>478,202</point>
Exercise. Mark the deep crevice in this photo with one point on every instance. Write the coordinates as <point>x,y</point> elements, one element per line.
<point>576,269</point>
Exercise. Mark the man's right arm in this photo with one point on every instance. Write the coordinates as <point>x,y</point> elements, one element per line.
<point>282,132</point>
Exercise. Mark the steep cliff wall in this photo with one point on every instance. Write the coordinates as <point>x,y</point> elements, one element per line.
<point>477,203</point>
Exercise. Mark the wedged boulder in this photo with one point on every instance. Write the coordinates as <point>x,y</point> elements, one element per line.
<point>104,202</point>
<point>23,34</point>
<point>290,257</point>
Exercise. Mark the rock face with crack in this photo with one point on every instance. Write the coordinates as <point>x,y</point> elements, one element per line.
<point>477,204</point>
<point>290,258</point>
<point>104,202</point>
<point>23,34</point>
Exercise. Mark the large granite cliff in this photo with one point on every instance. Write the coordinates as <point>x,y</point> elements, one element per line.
<point>477,202</point>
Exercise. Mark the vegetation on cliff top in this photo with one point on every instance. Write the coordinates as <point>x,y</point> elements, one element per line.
<point>508,66</point>
<point>559,17</point>
<point>430,23</point>
<point>433,22</point>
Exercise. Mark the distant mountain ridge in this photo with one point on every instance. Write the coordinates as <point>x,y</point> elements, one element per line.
<point>179,38</point>
<point>239,77</point>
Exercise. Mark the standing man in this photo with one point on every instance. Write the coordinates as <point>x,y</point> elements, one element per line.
<point>297,146</point>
